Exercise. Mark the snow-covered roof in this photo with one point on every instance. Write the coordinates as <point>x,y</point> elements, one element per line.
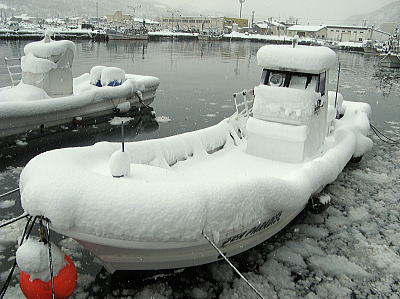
<point>308,59</point>
<point>306,28</point>
<point>269,23</point>
<point>148,21</point>
<point>262,25</point>
<point>347,27</point>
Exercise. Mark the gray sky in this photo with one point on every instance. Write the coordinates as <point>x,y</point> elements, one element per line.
<point>315,11</point>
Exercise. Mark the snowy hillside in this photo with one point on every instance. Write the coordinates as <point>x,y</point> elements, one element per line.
<point>388,13</point>
<point>61,8</point>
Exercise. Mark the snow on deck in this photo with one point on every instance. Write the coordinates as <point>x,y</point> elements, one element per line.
<point>307,59</point>
<point>26,99</point>
<point>182,184</point>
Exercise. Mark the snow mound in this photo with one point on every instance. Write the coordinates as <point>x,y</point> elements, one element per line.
<point>112,76</point>
<point>313,60</point>
<point>42,49</point>
<point>335,265</point>
<point>95,75</point>
<point>33,258</point>
<point>21,93</point>
<point>32,64</point>
<point>120,164</point>
<point>273,103</point>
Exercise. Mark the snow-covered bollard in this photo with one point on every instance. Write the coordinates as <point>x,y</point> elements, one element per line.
<point>112,76</point>
<point>95,75</point>
<point>120,164</point>
<point>35,279</point>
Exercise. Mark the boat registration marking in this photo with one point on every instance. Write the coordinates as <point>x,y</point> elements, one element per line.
<point>255,229</point>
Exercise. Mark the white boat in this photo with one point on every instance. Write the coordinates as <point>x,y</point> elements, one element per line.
<point>238,182</point>
<point>48,96</point>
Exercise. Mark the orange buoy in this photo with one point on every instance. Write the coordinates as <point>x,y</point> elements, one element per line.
<point>64,283</point>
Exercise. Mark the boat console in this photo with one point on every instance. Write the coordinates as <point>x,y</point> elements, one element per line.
<point>289,122</point>
<point>47,64</point>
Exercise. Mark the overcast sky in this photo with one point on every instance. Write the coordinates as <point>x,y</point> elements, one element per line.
<point>315,11</point>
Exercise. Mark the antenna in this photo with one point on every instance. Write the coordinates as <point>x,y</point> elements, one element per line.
<point>337,85</point>
<point>122,136</point>
<point>241,4</point>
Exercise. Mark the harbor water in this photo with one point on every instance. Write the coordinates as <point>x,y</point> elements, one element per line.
<point>198,79</point>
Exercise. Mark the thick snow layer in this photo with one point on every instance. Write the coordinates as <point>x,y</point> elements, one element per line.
<point>33,258</point>
<point>32,64</point>
<point>307,59</point>
<point>41,49</point>
<point>95,74</point>
<point>24,93</point>
<point>273,103</point>
<point>112,74</point>
<point>120,164</point>
<point>180,185</point>
<point>306,28</point>
<point>28,100</point>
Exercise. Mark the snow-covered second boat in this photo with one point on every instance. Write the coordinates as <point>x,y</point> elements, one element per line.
<point>48,96</point>
<point>237,182</point>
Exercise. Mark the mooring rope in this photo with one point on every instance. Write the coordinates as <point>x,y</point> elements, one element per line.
<point>9,192</point>
<point>50,258</point>
<point>379,134</point>
<point>140,98</point>
<point>25,235</point>
<point>232,266</point>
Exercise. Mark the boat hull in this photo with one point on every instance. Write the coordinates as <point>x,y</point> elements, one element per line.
<point>130,34</point>
<point>390,60</point>
<point>124,255</point>
<point>122,36</point>
<point>10,126</point>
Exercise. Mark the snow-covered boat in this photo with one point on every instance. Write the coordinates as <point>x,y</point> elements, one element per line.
<point>48,96</point>
<point>392,56</point>
<point>238,182</point>
<point>390,60</point>
<point>127,34</point>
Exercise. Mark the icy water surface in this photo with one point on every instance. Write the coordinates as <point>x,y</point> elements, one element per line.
<point>350,250</point>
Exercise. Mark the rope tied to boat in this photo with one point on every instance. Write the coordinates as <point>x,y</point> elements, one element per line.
<point>27,231</point>
<point>50,257</point>
<point>380,135</point>
<point>232,266</point>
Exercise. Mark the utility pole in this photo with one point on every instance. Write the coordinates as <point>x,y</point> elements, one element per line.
<point>97,12</point>
<point>252,19</point>
<point>241,4</point>
<point>173,13</point>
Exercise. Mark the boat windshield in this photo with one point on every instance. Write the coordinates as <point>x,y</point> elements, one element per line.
<point>294,80</point>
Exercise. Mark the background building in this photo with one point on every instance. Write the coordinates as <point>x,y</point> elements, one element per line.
<point>348,33</point>
<point>270,27</point>
<point>118,17</point>
<point>199,24</point>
